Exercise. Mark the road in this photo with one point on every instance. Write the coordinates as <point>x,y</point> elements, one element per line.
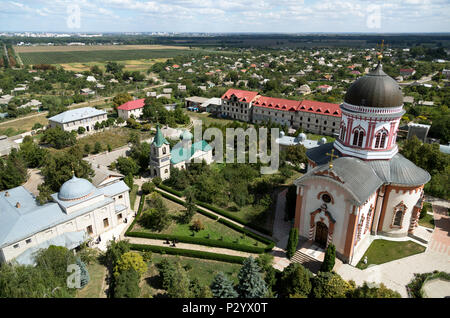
<point>45,113</point>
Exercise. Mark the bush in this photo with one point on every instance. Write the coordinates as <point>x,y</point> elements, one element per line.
<point>295,280</point>
<point>148,187</point>
<point>81,130</point>
<point>197,226</point>
<point>330,285</point>
<point>97,147</point>
<point>157,181</point>
<point>189,253</point>
<point>292,243</point>
<point>127,285</point>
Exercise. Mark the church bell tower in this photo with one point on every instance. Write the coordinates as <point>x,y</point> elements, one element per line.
<point>160,156</point>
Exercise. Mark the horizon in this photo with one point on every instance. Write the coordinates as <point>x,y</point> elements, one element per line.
<point>225,17</point>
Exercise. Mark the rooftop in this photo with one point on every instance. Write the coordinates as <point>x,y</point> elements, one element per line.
<point>77,114</point>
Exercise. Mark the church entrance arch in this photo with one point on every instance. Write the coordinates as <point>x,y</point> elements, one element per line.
<point>321,234</point>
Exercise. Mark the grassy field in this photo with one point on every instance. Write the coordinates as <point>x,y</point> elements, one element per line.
<point>94,288</point>
<point>23,124</point>
<point>203,270</point>
<point>214,229</point>
<point>133,194</point>
<point>129,65</point>
<point>54,57</point>
<point>207,119</point>
<point>67,48</point>
<point>383,251</point>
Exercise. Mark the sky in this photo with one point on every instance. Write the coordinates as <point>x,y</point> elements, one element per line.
<point>223,16</point>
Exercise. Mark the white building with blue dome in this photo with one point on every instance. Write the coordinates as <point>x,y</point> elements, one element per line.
<point>79,211</point>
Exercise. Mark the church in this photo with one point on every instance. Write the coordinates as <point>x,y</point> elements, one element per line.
<point>359,186</point>
<point>79,211</point>
<point>162,158</point>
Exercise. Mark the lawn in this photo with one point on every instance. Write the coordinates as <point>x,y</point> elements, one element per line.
<point>383,251</point>
<point>133,194</point>
<point>94,288</point>
<point>115,137</point>
<point>427,221</point>
<point>212,228</point>
<point>203,270</point>
<point>207,119</point>
<point>14,127</point>
<point>129,65</point>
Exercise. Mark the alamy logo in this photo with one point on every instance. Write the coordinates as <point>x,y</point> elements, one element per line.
<point>74,279</point>
<point>74,16</point>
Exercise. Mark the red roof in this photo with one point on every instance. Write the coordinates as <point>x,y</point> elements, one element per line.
<point>132,104</point>
<point>320,107</point>
<point>243,96</point>
<point>277,103</point>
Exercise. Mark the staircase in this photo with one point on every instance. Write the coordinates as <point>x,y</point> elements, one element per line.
<point>307,261</point>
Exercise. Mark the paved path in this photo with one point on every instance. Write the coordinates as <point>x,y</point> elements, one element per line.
<point>397,274</point>
<point>281,230</point>
<point>196,247</point>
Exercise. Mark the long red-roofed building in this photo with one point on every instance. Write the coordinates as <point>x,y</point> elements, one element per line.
<point>312,116</point>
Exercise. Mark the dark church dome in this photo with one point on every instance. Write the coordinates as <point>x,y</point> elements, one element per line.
<point>376,89</point>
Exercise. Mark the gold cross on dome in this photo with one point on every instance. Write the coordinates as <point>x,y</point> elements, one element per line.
<point>332,155</point>
<point>381,46</point>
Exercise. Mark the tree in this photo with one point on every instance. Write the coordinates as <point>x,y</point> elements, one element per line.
<point>329,259</point>
<point>222,287</point>
<point>198,290</point>
<point>127,284</point>
<point>97,147</point>
<point>129,260</point>
<point>32,154</point>
<point>87,148</point>
<point>189,204</point>
<point>155,219</point>
<point>114,252</point>
<point>81,130</point>
<point>179,284</point>
<point>292,242</point>
<point>59,138</point>
<point>84,273</point>
<point>251,283</point>
<point>148,187</point>
<point>55,259</point>
<point>120,99</point>
<point>366,291</point>
<point>295,280</point>
<point>129,180</point>
<point>127,165</point>
<point>330,285</point>
<point>13,171</point>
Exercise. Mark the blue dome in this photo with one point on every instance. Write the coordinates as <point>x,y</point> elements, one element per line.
<point>75,188</point>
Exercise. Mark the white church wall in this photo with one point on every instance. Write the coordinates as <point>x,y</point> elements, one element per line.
<point>85,204</point>
<point>396,196</point>
<point>365,234</point>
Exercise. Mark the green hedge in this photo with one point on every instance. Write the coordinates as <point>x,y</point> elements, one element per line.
<point>270,243</point>
<point>141,206</point>
<point>189,253</point>
<point>200,241</point>
<point>169,197</point>
<point>219,211</point>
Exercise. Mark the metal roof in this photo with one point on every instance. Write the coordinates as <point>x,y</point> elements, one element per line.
<point>375,89</point>
<point>76,114</point>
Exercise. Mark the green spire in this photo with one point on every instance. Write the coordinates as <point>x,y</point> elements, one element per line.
<point>159,138</point>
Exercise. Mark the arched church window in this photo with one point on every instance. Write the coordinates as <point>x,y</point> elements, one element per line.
<point>164,150</point>
<point>358,137</point>
<point>342,135</point>
<point>399,212</point>
<point>398,218</point>
<point>380,139</point>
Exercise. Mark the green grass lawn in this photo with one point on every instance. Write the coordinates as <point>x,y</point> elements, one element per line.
<point>133,194</point>
<point>94,288</point>
<point>203,270</point>
<point>207,119</point>
<point>427,221</point>
<point>214,229</point>
<point>383,251</point>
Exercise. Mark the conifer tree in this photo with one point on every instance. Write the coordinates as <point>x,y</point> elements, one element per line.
<point>222,287</point>
<point>251,284</point>
<point>329,259</point>
<point>292,243</point>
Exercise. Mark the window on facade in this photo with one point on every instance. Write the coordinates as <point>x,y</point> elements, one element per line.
<point>120,196</point>
<point>89,229</point>
<point>28,241</point>
<point>358,137</point>
<point>398,218</point>
<point>164,150</point>
<point>166,171</point>
<point>342,135</point>
<point>380,140</point>
<point>16,246</point>
<point>119,216</point>
<point>326,198</point>
<point>105,223</point>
